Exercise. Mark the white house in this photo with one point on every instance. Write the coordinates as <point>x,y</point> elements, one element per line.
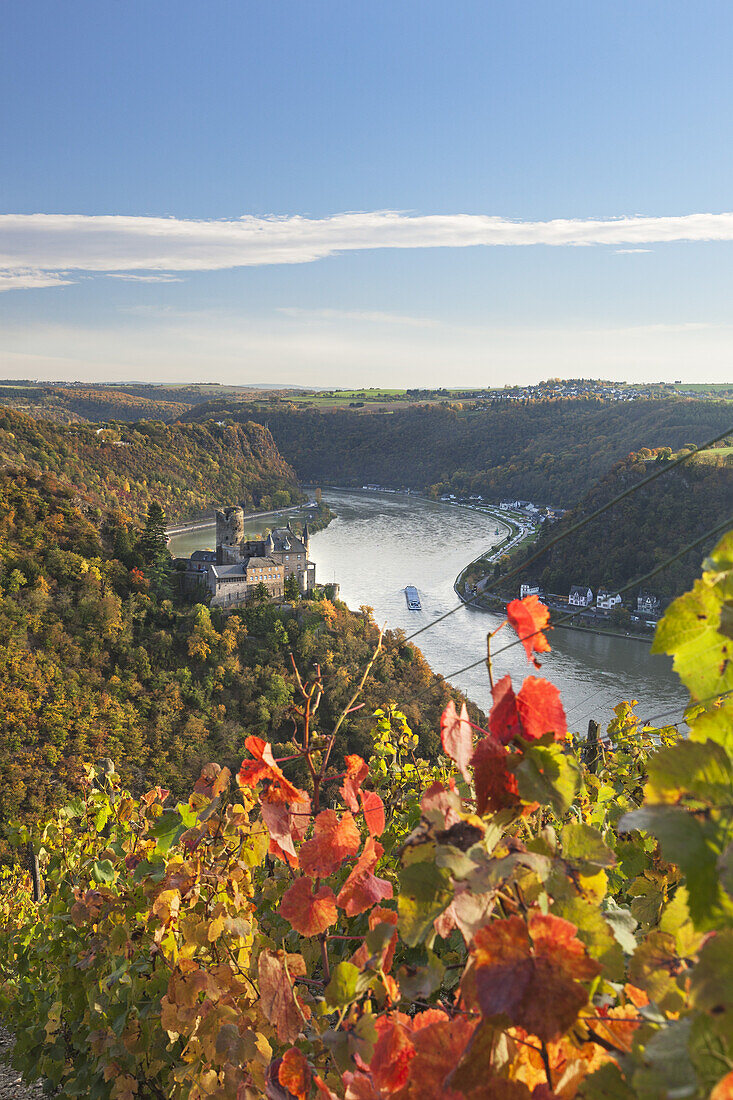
<point>648,603</point>
<point>580,596</point>
<point>529,590</point>
<point>607,600</point>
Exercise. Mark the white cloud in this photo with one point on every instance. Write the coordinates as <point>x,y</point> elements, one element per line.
<point>631,251</point>
<point>144,278</point>
<point>30,280</point>
<point>37,243</point>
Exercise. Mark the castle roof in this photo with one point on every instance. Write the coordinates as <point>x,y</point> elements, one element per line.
<point>203,555</point>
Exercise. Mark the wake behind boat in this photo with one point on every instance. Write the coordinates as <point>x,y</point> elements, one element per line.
<point>413,599</point>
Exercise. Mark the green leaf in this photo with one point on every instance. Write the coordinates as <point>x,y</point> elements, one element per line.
<point>584,845</point>
<point>166,830</point>
<point>607,1083</point>
<point>667,1069</point>
<point>103,871</point>
<point>546,775</point>
<point>594,932</point>
<point>344,985</point>
<point>690,769</point>
<point>689,631</point>
<point>623,925</point>
<point>425,891</point>
<point>711,982</point>
<point>690,844</point>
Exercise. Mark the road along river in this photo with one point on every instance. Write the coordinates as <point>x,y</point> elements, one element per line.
<point>381,542</point>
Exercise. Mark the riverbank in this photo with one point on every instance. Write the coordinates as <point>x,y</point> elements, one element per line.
<point>209,521</point>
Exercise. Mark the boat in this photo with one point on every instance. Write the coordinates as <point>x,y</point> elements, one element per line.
<point>413,599</point>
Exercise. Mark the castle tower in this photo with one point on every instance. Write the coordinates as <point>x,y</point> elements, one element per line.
<point>305,537</point>
<point>229,535</point>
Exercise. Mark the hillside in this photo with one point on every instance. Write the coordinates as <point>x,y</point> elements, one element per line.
<point>641,531</point>
<point>74,404</point>
<point>187,468</point>
<point>546,451</point>
<point>96,660</point>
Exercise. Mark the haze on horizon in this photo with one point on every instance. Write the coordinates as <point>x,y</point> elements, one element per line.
<point>366,195</point>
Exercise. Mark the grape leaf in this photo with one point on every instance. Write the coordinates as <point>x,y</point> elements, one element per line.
<point>531,973</point>
<point>334,840</point>
<point>540,710</point>
<point>309,913</point>
<point>457,737</point>
<point>529,618</point>
<point>362,888</point>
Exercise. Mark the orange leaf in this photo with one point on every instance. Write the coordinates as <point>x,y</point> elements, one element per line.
<point>724,1088</point>
<point>540,710</point>
<point>294,1073</point>
<point>308,913</point>
<point>356,773</point>
<point>496,787</point>
<point>263,767</point>
<point>332,842</point>
<point>531,973</point>
<point>504,717</point>
<point>373,808</point>
<point>439,1044</point>
<point>457,737</point>
<point>529,618</point>
<point>276,972</point>
<point>392,1055</point>
<point>362,889</point>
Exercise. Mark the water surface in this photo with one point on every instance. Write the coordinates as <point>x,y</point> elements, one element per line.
<point>380,542</point>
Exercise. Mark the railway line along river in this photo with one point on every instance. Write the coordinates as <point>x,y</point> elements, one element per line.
<point>381,542</point>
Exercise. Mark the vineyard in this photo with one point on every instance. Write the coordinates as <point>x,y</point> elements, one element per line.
<point>523,917</point>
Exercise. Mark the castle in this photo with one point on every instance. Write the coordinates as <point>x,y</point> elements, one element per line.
<point>239,565</point>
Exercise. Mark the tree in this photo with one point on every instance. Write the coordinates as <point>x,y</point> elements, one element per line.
<point>292,588</point>
<point>153,540</point>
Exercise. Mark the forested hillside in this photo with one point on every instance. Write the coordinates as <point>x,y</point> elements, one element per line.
<point>97,658</point>
<point>187,468</point>
<point>546,451</point>
<point>641,531</point>
<point>74,404</point>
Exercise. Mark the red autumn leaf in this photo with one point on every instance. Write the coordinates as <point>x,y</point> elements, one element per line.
<point>495,786</point>
<point>356,773</point>
<point>531,973</point>
<point>373,808</point>
<point>286,824</point>
<point>308,913</point>
<point>294,1073</point>
<point>504,717</point>
<point>362,888</point>
<point>264,767</point>
<point>457,737</point>
<point>276,972</point>
<point>439,1044</point>
<point>212,781</point>
<point>333,841</point>
<point>529,617</point>
<point>540,710</point>
<point>393,1052</point>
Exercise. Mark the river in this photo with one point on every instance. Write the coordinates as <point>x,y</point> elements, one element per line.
<point>380,542</point>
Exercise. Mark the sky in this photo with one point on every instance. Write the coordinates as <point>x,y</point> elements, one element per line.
<point>398,192</point>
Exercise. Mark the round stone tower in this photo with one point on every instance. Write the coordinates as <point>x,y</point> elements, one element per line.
<point>229,535</point>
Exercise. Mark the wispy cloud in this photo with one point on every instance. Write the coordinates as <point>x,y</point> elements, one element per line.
<point>144,278</point>
<point>30,280</point>
<point>631,251</point>
<point>371,317</point>
<point>34,244</point>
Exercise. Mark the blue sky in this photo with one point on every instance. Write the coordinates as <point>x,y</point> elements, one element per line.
<point>204,114</point>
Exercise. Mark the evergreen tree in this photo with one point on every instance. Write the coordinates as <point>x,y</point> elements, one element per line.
<point>153,542</point>
<point>292,588</point>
